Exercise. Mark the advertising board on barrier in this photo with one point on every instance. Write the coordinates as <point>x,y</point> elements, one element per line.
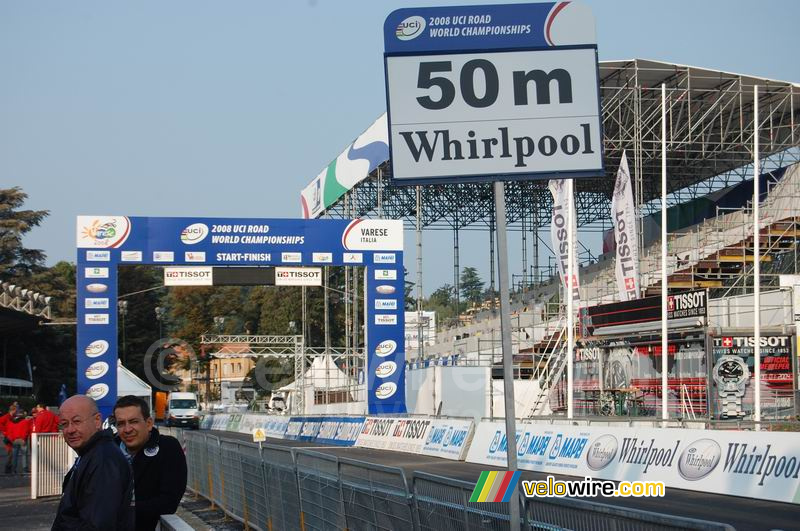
<point>751,464</point>
<point>341,431</point>
<point>391,433</point>
<point>449,438</point>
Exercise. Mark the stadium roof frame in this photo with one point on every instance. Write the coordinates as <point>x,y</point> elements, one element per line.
<point>710,137</point>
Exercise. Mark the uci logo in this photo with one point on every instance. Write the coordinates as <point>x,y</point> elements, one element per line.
<point>410,28</point>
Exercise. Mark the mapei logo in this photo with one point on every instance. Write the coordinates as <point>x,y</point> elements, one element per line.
<point>567,447</point>
<point>410,28</point>
<point>194,233</point>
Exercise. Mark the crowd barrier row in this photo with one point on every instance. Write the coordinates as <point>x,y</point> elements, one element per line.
<point>761,465</point>
<point>271,487</point>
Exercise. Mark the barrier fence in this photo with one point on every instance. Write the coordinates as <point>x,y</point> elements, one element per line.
<point>272,487</point>
<point>51,459</point>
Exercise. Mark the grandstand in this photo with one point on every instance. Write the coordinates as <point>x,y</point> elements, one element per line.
<point>710,116</point>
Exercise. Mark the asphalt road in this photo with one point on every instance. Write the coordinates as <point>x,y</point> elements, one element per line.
<point>744,514</point>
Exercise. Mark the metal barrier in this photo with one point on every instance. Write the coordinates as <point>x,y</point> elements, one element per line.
<point>271,487</point>
<point>51,459</point>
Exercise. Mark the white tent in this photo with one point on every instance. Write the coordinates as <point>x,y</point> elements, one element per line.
<point>130,384</point>
<point>322,374</point>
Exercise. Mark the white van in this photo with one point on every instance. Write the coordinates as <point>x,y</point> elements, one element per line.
<point>182,410</point>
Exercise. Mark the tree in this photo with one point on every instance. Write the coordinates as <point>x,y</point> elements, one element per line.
<point>15,260</point>
<point>442,297</point>
<point>471,285</point>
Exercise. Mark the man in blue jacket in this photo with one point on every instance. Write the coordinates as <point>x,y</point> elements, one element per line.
<point>98,488</point>
<point>158,461</point>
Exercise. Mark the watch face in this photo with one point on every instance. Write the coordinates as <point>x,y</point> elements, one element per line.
<point>616,376</point>
<point>730,370</point>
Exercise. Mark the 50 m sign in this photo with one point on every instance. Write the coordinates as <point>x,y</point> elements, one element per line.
<point>512,114</point>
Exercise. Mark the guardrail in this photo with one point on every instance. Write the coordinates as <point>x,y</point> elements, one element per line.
<point>271,487</point>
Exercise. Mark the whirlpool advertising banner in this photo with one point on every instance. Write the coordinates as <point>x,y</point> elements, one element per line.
<point>764,465</point>
<point>105,242</point>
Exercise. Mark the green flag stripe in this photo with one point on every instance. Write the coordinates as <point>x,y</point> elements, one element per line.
<point>479,487</point>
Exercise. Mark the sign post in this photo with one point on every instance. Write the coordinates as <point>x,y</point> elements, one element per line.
<point>492,93</point>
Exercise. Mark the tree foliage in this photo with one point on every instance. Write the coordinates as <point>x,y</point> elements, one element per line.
<point>17,261</point>
<point>471,285</point>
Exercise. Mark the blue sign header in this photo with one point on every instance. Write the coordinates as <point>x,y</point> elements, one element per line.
<point>493,27</point>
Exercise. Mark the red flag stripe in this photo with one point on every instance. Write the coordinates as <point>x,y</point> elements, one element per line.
<point>501,492</point>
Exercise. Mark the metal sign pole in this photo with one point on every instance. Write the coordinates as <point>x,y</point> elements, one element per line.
<point>664,280</point>
<point>505,329</point>
<point>756,264</point>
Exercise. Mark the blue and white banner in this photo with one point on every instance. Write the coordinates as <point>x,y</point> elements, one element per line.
<point>763,465</point>
<point>498,27</point>
<point>105,242</point>
<point>449,438</point>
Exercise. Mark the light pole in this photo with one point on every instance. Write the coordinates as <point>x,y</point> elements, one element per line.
<point>219,323</point>
<point>123,311</point>
<point>160,312</point>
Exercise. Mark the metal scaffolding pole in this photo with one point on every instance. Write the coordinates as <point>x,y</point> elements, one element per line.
<point>420,347</point>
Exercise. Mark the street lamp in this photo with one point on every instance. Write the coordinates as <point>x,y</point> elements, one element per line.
<point>123,311</point>
<point>160,312</point>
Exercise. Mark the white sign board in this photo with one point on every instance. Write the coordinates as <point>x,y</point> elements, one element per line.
<point>189,276</point>
<point>495,113</point>
<point>398,434</point>
<point>449,438</point>
<point>298,276</point>
<point>764,465</point>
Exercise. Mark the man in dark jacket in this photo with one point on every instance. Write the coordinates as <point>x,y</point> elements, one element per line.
<point>159,464</point>
<point>98,488</point>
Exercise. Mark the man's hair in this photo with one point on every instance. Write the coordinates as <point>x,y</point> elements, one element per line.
<point>130,400</point>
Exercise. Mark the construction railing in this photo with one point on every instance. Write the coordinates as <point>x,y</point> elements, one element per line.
<point>271,487</point>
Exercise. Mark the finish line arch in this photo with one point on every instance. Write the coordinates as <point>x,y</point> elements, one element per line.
<point>105,242</point>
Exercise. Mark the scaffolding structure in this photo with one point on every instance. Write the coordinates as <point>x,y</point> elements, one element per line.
<point>709,142</point>
<point>352,361</point>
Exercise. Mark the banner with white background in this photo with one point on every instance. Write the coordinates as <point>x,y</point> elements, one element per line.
<point>763,465</point>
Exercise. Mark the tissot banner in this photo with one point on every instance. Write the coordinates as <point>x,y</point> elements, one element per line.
<point>764,465</point>
<point>623,217</point>
<point>733,376</point>
<point>558,233</point>
<point>105,242</point>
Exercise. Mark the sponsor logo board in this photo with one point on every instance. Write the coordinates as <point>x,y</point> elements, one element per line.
<point>93,303</point>
<point>98,256</point>
<point>96,318</point>
<point>96,287</point>
<point>96,272</point>
<point>291,258</point>
<point>322,258</point>
<point>751,464</point>
<point>163,256</point>
<point>298,276</point>
<point>189,276</point>
<point>194,256</point>
<point>131,256</point>
<point>353,258</point>
<point>385,274</point>
<point>385,319</point>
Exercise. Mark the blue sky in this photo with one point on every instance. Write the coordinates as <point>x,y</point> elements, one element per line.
<point>213,108</point>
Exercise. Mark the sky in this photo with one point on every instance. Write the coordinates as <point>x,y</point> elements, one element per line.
<point>229,109</point>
